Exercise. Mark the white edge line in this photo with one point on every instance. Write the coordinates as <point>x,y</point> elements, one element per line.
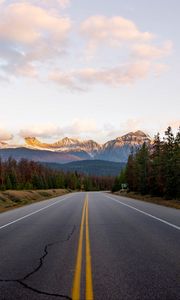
<point>145,213</point>
<point>34,212</point>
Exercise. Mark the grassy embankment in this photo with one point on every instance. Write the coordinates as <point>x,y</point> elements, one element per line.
<point>148,198</point>
<point>12,199</point>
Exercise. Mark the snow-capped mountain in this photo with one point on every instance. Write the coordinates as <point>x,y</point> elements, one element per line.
<point>69,149</point>
<point>66,144</point>
<point>114,150</point>
<point>121,147</point>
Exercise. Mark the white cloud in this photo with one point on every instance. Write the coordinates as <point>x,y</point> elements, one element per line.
<point>80,126</point>
<point>114,77</point>
<point>34,38</point>
<point>147,51</point>
<point>88,129</point>
<point>64,3</point>
<point>27,24</point>
<point>130,125</point>
<point>113,31</point>
<point>5,135</point>
<point>115,28</point>
<point>65,80</point>
<point>50,131</point>
<point>50,3</point>
<point>26,33</point>
<point>41,130</point>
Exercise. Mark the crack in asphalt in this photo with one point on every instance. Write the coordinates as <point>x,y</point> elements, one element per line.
<point>41,261</point>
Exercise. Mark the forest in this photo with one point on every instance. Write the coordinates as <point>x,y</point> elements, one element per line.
<point>154,170</point>
<point>27,175</point>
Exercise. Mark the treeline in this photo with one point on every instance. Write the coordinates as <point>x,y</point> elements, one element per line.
<point>27,175</point>
<point>154,170</point>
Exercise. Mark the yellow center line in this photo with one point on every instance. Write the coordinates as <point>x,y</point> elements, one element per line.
<point>89,284</point>
<point>76,290</point>
<point>77,277</point>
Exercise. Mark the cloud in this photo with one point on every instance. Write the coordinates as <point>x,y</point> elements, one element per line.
<point>149,125</point>
<point>28,25</point>
<point>124,127</point>
<point>147,51</point>
<point>112,29</point>
<point>52,3</point>
<point>114,77</point>
<point>65,80</point>
<point>34,37</point>
<point>88,129</point>
<point>49,3</point>
<point>78,127</point>
<point>138,50</point>
<point>5,135</point>
<point>41,131</point>
<point>64,3</point>
<point>26,33</point>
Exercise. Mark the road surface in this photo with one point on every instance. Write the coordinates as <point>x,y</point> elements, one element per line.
<point>90,246</point>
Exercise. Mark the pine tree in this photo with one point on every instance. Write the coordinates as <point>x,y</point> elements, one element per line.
<point>130,173</point>
<point>176,160</point>
<point>169,164</point>
<point>142,160</point>
<point>156,176</point>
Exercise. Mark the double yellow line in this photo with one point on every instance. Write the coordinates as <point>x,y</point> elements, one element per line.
<point>76,290</point>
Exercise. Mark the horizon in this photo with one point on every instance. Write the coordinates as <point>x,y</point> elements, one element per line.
<point>110,69</point>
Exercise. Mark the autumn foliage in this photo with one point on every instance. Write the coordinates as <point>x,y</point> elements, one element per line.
<point>26,175</point>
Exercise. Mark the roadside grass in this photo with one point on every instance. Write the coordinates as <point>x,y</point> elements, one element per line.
<point>147,198</point>
<point>12,199</point>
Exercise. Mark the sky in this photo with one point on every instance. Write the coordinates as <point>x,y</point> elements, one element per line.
<point>88,69</point>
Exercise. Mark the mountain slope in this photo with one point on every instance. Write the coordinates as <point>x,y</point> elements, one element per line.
<point>90,167</point>
<point>121,147</point>
<point>37,155</point>
<point>68,149</point>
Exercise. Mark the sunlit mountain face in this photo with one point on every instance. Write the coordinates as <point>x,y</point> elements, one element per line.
<point>69,149</point>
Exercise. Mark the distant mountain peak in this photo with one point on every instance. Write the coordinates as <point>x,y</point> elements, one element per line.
<point>34,142</point>
<point>68,140</point>
<point>115,150</point>
<point>137,137</point>
<point>140,133</point>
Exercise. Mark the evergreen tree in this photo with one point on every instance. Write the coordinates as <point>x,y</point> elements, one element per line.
<point>156,175</point>
<point>169,163</point>
<point>141,168</point>
<point>156,171</point>
<point>130,172</point>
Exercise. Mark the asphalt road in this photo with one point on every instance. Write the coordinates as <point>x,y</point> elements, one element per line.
<point>90,246</point>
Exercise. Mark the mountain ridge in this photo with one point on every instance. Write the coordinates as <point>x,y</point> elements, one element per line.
<point>137,137</point>
<point>70,149</point>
